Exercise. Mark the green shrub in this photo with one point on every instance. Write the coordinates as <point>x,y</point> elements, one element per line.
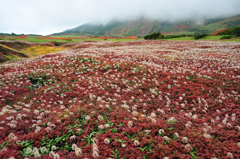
<point>153,36</point>
<point>227,37</point>
<point>200,36</point>
<point>231,31</point>
<point>175,36</point>
<point>57,43</point>
<point>236,31</point>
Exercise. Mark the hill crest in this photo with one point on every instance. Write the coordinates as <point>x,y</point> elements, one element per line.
<point>142,26</point>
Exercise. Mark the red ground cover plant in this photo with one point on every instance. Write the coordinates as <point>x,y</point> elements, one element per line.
<point>130,37</point>
<point>143,99</point>
<point>19,37</point>
<point>218,31</point>
<point>102,37</point>
<point>55,38</point>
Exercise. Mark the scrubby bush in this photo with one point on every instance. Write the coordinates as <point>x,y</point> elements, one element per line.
<point>200,36</point>
<point>57,43</point>
<point>153,36</point>
<point>231,31</point>
<point>236,31</point>
<point>227,37</point>
<point>175,36</point>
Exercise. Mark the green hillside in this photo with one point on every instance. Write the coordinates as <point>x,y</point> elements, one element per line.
<point>143,26</point>
<point>225,23</point>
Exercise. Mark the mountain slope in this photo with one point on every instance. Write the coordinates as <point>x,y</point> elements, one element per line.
<point>143,26</point>
<point>225,23</point>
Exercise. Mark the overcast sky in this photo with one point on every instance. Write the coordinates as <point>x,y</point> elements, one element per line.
<point>51,16</point>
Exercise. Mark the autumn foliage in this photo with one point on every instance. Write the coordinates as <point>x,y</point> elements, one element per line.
<point>130,37</point>
<point>55,38</point>
<point>218,31</point>
<point>138,99</point>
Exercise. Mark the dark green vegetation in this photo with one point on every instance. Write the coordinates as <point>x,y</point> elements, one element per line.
<point>200,36</point>
<point>227,37</point>
<point>154,36</point>
<point>143,26</point>
<point>176,36</point>
<point>231,31</point>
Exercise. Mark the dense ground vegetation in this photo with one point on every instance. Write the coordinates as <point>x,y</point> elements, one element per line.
<point>176,36</point>
<point>142,99</point>
<point>231,31</point>
<point>153,36</point>
<point>200,36</point>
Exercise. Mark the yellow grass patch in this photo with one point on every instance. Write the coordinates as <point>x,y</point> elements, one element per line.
<point>171,58</point>
<point>37,50</point>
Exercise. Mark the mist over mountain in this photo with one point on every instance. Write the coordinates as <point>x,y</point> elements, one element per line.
<point>143,25</point>
<point>46,17</point>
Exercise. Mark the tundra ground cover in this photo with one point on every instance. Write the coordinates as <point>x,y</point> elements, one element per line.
<point>64,39</point>
<point>37,50</point>
<point>142,99</point>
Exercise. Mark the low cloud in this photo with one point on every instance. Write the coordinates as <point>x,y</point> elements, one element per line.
<point>50,16</point>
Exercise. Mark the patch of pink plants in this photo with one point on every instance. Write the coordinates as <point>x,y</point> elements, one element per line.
<point>143,99</point>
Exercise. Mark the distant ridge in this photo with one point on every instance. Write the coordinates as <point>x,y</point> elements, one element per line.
<point>143,26</point>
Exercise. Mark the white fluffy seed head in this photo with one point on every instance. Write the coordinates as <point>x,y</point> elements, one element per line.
<point>37,154</point>
<point>36,112</point>
<point>78,151</point>
<point>238,127</point>
<point>229,155</point>
<point>229,125</point>
<point>74,146</point>
<point>188,126</point>
<point>101,126</point>
<point>194,116</point>
<point>100,117</point>
<point>207,136</point>
<point>212,121</point>
<point>153,115</point>
<point>56,156</point>
<point>95,141</point>
<point>130,124</point>
<point>51,154</point>
<point>95,154</point>
<point>205,130</point>
<point>185,140</point>
<point>160,131</point>
<point>134,113</point>
<point>153,120</point>
<point>87,118</point>
<point>136,143</point>
<point>176,135</point>
<point>53,147</point>
<point>188,147</point>
<point>95,147</point>
<point>29,150</point>
<point>106,141</point>
<point>43,149</point>
<point>238,144</point>
<point>35,149</point>
<point>166,138</point>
